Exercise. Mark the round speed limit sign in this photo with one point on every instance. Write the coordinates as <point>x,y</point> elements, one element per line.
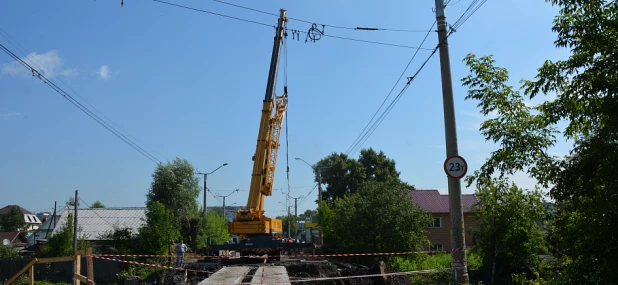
<point>455,167</point>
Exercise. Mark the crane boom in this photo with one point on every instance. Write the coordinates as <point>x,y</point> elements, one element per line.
<point>251,220</point>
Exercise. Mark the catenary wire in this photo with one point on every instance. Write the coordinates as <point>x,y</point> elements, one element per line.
<point>310,22</point>
<point>358,139</point>
<point>397,98</point>
<point>80,106</point>
<point>458,23</point>
<point>268,25</point>
<point>21,49</point>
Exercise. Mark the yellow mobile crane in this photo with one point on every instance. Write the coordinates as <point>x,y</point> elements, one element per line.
<point>258,233</point>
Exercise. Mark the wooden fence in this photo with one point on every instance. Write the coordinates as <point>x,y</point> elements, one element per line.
<point>89,279</point>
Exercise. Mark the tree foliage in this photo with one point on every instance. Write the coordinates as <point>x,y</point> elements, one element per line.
<point>175,186</point>
<point>380,217</point>
<point>293,225</point>
<point>97,205</point>
<point>344,175</point>
<point>213,226</point>
<point>8,252</point>
<point>508,236</point>
<point>161,226</point>
<point>583,184</point>
<point>118,241</point>
<point>61,242</point>
<point>13,221</point>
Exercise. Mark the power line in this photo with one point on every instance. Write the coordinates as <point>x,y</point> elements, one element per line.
<point>361,136</point>
<point>474,6</point>
<point>269,25</point>
<point>326,25</point>
<point>308,195</point>
<point>49,71</point>
<point>80,106</point>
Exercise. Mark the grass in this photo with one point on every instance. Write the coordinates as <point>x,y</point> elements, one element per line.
<point>435,261</point>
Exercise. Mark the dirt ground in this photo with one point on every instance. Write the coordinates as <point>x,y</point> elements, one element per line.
<point>295,270</point>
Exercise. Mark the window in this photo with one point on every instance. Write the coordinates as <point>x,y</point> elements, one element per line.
<point>436,247</point>
<point>437,223</point>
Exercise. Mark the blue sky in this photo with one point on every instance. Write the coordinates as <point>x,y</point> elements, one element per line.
<point>190,85</point>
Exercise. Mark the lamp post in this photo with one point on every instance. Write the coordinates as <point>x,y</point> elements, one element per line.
<point>204,211</point>
<point>318,170</point>
<point>224,201</point>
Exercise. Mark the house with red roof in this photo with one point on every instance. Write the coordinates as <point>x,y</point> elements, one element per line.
<point>438,231</point>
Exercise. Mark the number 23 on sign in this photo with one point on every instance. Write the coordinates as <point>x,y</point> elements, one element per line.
<point>455,167</point>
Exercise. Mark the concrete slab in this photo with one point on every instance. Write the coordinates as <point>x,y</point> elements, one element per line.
<point>273,275</point>
<point>227,275</point>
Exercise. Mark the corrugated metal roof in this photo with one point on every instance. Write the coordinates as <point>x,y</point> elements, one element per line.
<point>95,222</point>
<point>433,201</point>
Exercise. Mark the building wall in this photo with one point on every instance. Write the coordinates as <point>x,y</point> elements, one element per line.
<point>442,235</point>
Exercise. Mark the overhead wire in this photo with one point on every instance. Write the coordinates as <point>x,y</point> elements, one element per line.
<point>361,136</point>
<point>269,25</point>
<point>308,195</point>
<point>474,6</point>
<point>80,106</point>
<point>310,22</point>
<point>21,49</point>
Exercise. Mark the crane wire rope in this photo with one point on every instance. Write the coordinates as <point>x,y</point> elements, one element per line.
<point>80,106</point>
<point>22,50</point>
<point>474,6</point>
<point>358,139</point>
<point>268,25</point>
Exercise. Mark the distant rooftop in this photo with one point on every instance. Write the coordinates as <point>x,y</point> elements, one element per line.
<point>95,222</point>
<point>433,201</point>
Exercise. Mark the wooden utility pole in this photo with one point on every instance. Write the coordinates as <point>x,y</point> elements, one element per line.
<point>459,270</point>
<point>76,262</point>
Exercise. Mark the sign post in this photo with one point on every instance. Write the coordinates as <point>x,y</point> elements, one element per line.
<point>455,167</point>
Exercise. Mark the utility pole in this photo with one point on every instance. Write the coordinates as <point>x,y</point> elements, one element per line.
<point>224,201</point>
<point>289,223</point>
<point>204,211</point>
<point>75,233</point>
<point>459,268</point>
<point>321,236</point>
<point>295,212</point>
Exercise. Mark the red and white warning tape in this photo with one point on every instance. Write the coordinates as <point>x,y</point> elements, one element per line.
<point>367,276</point>
<point>293,255</point>
<point>147,264</point>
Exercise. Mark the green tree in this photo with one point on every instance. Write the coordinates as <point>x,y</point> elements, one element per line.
<point>584,183</point>
<point>508,236</point>
<point>293,226</point>
<point>8,252</point>
<point>61,242</point>
<point>175,186</point>
<point>380,217</point>
<point>161,227</point>
<point>344,175</point>
<point>213,226</point>
<point>13,221</point>
<point>97,204</point>
<point>118,241</point>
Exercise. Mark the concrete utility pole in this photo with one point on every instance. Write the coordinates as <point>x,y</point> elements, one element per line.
<point>224,201</point>
<point>204,211</point>
<point>318,170</point>
<point>296,212</point>
<point>289,223</point>
<point>459,268</point>
<point>75,232</point>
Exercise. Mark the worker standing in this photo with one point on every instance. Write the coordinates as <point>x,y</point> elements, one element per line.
<point>181,248</point>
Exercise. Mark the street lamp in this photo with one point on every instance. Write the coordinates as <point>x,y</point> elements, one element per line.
<point>224,201</point>
<point>319,172</point>
<point>205,188</point>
